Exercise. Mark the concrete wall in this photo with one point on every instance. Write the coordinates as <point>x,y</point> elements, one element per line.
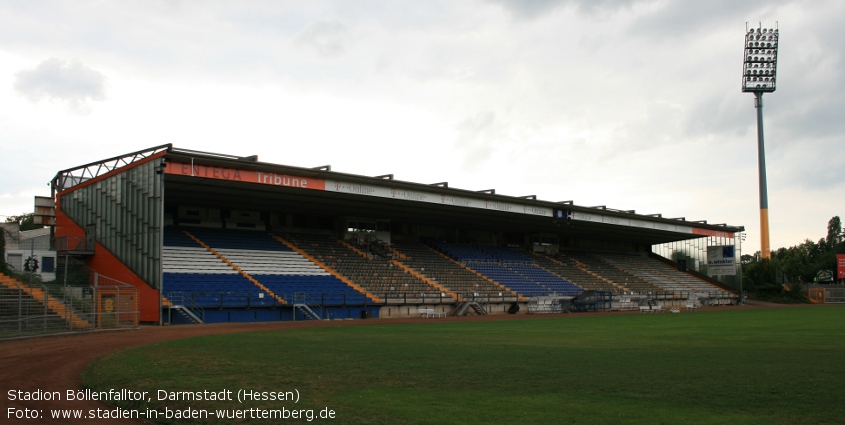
<point>18,256</point>
<point>403,311</point>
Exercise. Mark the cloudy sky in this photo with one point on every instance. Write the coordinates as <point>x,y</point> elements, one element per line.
<point>625,103</point>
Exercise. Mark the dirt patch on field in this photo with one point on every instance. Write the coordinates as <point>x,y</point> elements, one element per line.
<point>54,363</point>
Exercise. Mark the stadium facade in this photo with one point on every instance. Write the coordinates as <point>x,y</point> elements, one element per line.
<point>208,237</point>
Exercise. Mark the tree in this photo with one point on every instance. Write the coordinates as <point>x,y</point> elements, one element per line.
<point>3,252</point>
<point>793,265</point>
<point>760,278</point>
<point>25,221</point>
<point>834,232</point>
<point>801,262</point>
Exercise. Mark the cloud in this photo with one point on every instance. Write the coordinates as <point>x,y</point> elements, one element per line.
<point>528,9</point>
<point>630,103</point>
<point>533,8</point>
<point>71,82</point>
<point>328,38</point>
<point>479,136</point>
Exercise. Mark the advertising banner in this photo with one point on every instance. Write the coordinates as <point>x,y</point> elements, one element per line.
<point>721,260</point>
<point>247,176</point>
<point>840,265</point>
<point>432,196</point>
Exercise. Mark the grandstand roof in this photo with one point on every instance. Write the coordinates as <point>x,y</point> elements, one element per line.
<point>244,183</point>
<point>233,182</point>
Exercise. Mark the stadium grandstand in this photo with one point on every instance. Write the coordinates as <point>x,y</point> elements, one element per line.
<point>208,237</point>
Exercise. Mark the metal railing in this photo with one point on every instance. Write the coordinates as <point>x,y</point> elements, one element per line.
<point>186,304</point>
<point>73,243</point>
<point>32,309</point>
<point>24,315</point>
<point>834,295</point>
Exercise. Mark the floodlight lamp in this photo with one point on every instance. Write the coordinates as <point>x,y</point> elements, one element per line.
<point>760,52</point>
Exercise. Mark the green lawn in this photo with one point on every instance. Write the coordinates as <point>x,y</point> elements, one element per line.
<point>770,366</point>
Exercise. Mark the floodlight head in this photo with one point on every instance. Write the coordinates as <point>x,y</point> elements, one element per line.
<point>761,51</point>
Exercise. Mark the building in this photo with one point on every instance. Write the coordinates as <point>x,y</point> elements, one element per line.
<point>30,245</point>
<point>119,215</point>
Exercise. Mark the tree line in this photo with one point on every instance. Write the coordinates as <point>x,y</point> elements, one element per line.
<point>781,277</point>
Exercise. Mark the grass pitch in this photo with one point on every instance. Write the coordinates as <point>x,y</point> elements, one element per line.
<point>769,366</point>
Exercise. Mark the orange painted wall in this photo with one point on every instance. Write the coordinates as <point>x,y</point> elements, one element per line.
<point>108,265</point>
<point>64,225</point>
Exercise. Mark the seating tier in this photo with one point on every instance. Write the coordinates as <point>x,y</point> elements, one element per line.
<point>377,275</point>
<point>509,268</point>
<point>452,275</point>
<point>196,273</point>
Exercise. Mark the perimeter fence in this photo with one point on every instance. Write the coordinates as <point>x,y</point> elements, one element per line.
<point>88,302</point>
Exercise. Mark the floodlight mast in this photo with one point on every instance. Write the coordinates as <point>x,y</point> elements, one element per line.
<point>759,72</point>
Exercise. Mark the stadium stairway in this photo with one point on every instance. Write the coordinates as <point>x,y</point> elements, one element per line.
<point>312,311</point>
<point>497,284</point>
<point>354,249</point>
<point>509,268</point>
<point>376,274</point>
<point>463,307</point>
<point>430,282</point>
<point>236,268</point>
<point>195,278</point>
<point>632,282</point>
<point>440,268</point>
<point>178,305</point>
<point>52,303</point>
<point>186,313</point>
<point>478,309</point>
<point>397,253</point>
<point>577,273</point>
<point>546,279</point>
<point>333,272</point>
